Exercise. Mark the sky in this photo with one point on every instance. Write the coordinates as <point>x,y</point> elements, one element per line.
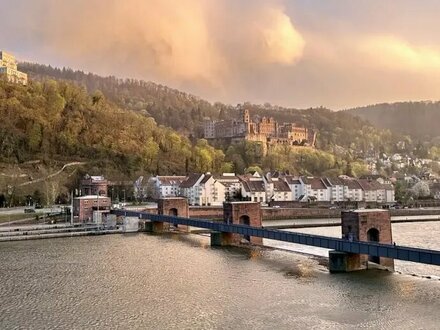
<point>296,53</point>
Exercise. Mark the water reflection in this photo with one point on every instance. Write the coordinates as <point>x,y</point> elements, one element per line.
<point>177,281</point>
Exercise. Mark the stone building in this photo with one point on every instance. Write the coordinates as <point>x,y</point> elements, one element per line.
<point>8,68</point>
<point>93,200</point>
<point>265,130</point>
<point>93,185</point>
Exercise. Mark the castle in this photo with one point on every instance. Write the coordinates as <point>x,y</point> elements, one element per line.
<point>265,130</point>
<point>8,68</point>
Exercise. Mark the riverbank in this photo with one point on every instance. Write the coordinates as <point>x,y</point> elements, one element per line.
<point>32,232</point>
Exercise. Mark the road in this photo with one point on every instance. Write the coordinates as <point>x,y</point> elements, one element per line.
<point>19,210</point>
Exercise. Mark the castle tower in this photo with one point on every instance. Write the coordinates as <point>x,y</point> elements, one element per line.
<point>246,116</point>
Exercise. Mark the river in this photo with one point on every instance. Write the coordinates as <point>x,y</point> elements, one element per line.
<point>142,281</point>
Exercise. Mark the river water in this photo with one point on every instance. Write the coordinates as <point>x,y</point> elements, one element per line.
<point>179,282</point>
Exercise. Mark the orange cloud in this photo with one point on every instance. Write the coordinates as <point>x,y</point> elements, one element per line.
<point>170,41</point>
<point>397,54</point>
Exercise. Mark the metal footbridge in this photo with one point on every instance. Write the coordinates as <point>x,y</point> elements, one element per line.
<point>374,249</point>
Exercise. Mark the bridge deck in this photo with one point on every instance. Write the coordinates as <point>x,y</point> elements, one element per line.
<point>371,248</point>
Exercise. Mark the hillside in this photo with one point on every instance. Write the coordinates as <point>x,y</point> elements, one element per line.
<point>127,128</point>
<point>53,131</point>
<point>185,113</point>
<point>420,120</point>
<point>60,120</point>
<point>169,107</point>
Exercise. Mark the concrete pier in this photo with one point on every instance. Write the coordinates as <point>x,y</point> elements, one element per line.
<point>367,226</point>
<point>240,213</point>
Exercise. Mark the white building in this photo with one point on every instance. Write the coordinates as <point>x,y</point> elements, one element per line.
<point>280,191</point>
<point>165,186</point>
<point>377,192</point>
<point>297,187</point>
<point>253,188</point>
<point>8,68</point>
<point>335,187</point>
<point>369,190</point>
<point>316,190</point>
<point>231,183</point>
<point>203,190</point>
<point>352,190</point>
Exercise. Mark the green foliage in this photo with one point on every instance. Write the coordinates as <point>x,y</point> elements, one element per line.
<point>417,119</point>
<point>169,107</point>
<point>61,120</point>
<point>338,132</point>
<point>142,126</point>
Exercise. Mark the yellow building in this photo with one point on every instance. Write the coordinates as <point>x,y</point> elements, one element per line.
<point>8,67</point>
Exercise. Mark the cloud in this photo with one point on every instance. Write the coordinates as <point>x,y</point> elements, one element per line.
<point>395,53</point>
<point>197,42</point>
<point>292,53</point>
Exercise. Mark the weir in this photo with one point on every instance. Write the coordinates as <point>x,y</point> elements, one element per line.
<point>348,249</point>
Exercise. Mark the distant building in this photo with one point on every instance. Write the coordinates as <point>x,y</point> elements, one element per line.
<point>231,182</point>
<point>316,190</point>
<point>203,189</point>
<point>84,206</point>
<point>165,186</point>
<point>264,130</point>
<point>93,198</point>
<point>253,188</point>
<point>93,185</point>
<point>8,68</point>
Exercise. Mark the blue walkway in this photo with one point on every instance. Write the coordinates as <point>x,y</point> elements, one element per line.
<point>371,248</point>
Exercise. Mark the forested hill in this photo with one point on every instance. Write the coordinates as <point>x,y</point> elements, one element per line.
<point>181,111</point>
<point>421,120</point>
<point>56,120</point>
<point>185,112</point>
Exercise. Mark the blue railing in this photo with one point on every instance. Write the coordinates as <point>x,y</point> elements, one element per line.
<point>371,248</point>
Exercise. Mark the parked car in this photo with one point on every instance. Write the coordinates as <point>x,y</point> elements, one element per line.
<point>29,210</point>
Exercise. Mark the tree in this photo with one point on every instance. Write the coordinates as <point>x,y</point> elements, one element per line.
<point>420,189</point>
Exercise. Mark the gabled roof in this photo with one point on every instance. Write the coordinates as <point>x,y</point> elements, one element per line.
<point>206,178</point>
<point>254,186</point>
<point>170,180</point>
<point>367,185</point>
<point>290,179</point>
<point>191,180</point>
<point>281,186</point>
<point>335,181</point>
<point>315,183</point>
<point>351,184</point>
